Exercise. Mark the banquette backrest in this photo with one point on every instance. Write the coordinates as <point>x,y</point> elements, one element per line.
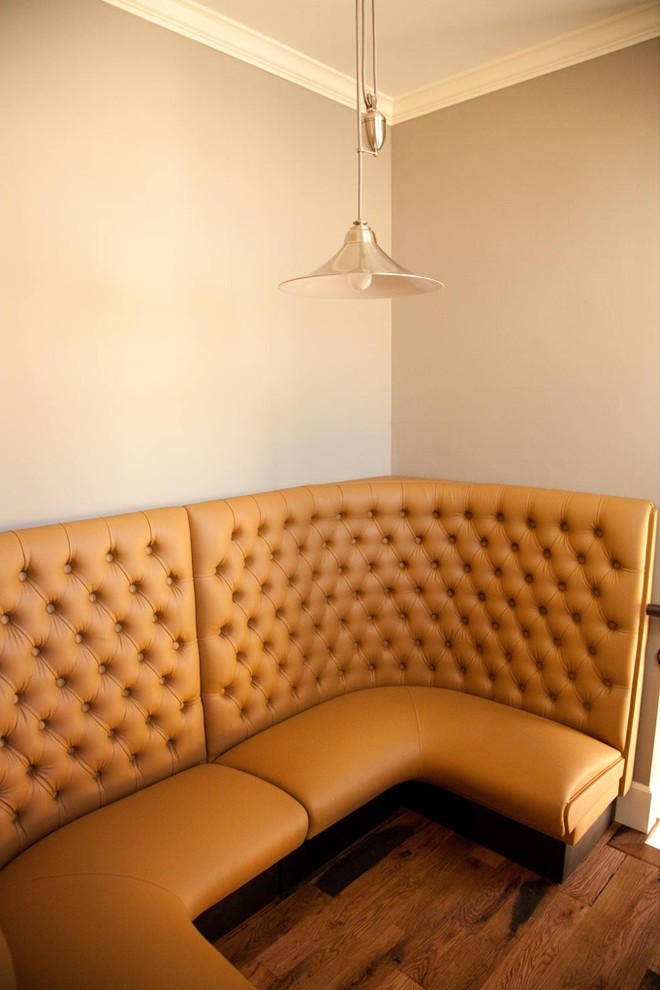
<point>282,600</point>
<point>532,598</point>
<point>99,669</point>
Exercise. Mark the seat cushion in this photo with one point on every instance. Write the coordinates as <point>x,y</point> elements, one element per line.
<point>199,835</point>
<point>538,772</point>
<point>109,933</point>
<point>337,756</point>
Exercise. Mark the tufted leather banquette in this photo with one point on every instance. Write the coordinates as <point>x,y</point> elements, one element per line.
<point>187,694</point>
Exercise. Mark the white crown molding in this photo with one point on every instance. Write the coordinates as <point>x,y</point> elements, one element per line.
<point>197,22</point>
<point>629,28</point>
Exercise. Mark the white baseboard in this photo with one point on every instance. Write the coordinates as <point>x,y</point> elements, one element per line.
<point>637,808</point>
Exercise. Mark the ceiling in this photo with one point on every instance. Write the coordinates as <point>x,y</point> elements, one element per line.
<point>430,52</point>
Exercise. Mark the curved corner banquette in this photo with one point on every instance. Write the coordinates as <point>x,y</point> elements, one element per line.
<point>189,694</point>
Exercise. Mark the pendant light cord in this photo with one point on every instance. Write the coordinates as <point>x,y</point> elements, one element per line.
<point>370,100</point>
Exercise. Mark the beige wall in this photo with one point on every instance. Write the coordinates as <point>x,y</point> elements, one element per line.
<point>539,362</point>
<point>153,192</point>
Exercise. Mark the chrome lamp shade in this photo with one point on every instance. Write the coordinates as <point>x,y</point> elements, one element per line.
<point>360,269</point>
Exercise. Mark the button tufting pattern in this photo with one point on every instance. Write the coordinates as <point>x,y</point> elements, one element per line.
<point>69,665</point>
<point>496,591</point>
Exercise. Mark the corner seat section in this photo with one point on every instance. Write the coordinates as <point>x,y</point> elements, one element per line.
<point>539,772</point>
<point>110,933</point>
<point>337,756</point>
<point>175,848</point>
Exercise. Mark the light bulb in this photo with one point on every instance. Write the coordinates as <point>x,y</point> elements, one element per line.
<point>360,280</point>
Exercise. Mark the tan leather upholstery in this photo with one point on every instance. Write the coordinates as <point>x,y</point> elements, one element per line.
<point>99,669</point>
<point>336,756</point>
<point>110,933</point>
<point>440,598</point>
<point>528,597</point>
<point>135,873</point>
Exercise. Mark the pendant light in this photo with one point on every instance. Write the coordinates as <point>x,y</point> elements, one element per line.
<point>360,269</point>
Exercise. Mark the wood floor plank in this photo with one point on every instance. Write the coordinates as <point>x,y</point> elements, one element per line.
<point>617,938</point>
<point>439,913</point>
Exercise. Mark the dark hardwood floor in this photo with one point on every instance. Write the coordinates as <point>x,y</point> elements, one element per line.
<point>414,906</point>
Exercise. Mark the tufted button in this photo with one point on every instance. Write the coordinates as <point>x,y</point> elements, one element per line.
<point>552,696</point>
<point>22,575</point>
<point>526,633</point>
<point>72,750</point>
<point>132,588</point>
<point>43,724</point>
<point>561,585</point>
<point>92,596</point>
<point>385,539</point>
<point>176,645</point>
<point>467,568</point>
<point>563,525</point>
<point>78,638</point>
<point>571,675</point>
<point>529,578</point>
<point>598,532</point>
<point>402,565</point>
<point>511,602</point>
<point>468,514</point>
<point>491,675</point>
<point>586,705</point>
<point>418,642</point>
<point>418,539</point>
<point>450,592</point>
<point>371,514</point>
<point>452,538</point>
<point>156,617</point>
<point>557,641</point>
<point>483,542</point>
<point>531,523</point>
<point>169,579</point>
<point>436,513</point>
<point>616,565</point>
<point>118,627</point>
<point>109,557</point>
<point>68,567</point>
<point>50,607</point>
<point>60,681</point>
<point>434,616</point>
<point>576,617</point>
<point>3,742</point>
<point>543,610</point>
<point>386,643</point>
<point>85,706</point>
<point>498,572</point>
<point>612,625</point>
<point>508,656</point>
<point>102,668</point>
<point>547,553</point>
<point>479,648</point>
<point>595,591</point>
<point>126,693</point>
<point>149,550</point>
<point>402,666</point>
<point>432,668</point>
<point>36,651</point>
<point>591,650</point>
<point>539,665</point>
<point>515,547</point>
<point>4,619</point>
<point>140,657</point>
<point>465,620</point>
<point>354,540</point>
<point>448,644</point>
<point>339,516</point>
<point>463,668</point>
<point>607,683</point>
<point>581,559</point>
<point>495,625</point>
<point>435,564</point>
<point>403,513</point>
